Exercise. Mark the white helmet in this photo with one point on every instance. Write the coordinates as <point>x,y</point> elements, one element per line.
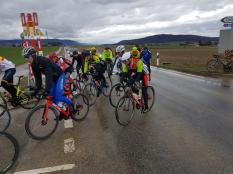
<point>126,56</point>
<point>120,48</point>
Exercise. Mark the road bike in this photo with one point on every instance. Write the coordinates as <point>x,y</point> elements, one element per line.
<point>97,87</point>
<point>43,120</point>
<point>218,64</point>
<point>9,152</point>
<point>5,118</point>
<point>132,99</point>
<point>25,99</point>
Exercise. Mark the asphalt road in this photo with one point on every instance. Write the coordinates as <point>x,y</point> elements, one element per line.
<point>189,131</point>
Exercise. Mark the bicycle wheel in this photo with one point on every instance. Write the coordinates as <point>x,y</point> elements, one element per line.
<point>27,101</point>
<point>82,105</point>
<point>3,103</point>
<point>124,110</point>
<point>5,118</point>
<point>90,91</point>
<point>116,92</point>
<point>36,128</point>
<point>214,66</point>
<point>151,98</point>
<point>106,91</point>
<point>9,150</point>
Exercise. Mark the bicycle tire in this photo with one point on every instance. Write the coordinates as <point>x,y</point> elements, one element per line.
<point>106,91</point>
<point>29,117</point>
<point>77,116</point>
<point>27,102</point>
<point>12,161</point>
<point>5,118</point>
<point>3,102</point>
<point>152,98</point>
<point>112,96</point>
<point>90,91</point>
<point>213,66</point>
<point>120,104</point>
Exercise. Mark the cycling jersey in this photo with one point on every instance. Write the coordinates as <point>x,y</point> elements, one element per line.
<point>5,64</point>
<point>107,54</point>
<point>146,56</point>
<point>51,71</point>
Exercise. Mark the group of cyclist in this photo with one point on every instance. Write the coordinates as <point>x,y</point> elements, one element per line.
<point>131,66</point>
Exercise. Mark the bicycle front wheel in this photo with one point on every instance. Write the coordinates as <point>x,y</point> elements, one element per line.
<point>151,98</point>
<point>90,91</point>
<point>214,66</point>
<point>116,92</point>
<point>9,150</point>
<point>5,118</point>
<point>124,111</point>
<point>37,127</point>
<point>27,101</point>
<point>106,90</point>
<point>82,105</point>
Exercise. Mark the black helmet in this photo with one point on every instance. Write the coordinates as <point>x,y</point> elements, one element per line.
<point>27,51</point>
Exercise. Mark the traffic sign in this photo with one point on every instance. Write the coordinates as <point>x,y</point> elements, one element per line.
<point>228,19</point>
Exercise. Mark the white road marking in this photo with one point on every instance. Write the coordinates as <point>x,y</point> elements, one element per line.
<point>48,169</point>
<point>68,123</point>
<point>69,145</point>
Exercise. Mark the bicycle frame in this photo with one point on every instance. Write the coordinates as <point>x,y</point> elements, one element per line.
<point>50,103</point>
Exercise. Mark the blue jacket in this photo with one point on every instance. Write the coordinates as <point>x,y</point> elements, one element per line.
<point>146,56</point>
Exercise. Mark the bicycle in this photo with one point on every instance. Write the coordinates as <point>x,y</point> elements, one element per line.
<point>109,67</point>
<point>96,87</point>
<point>9,150</point>
<point>25,99</point>
<point>5,118</point>
<point>125,108</point>
<point>217,64</point>
<point>116,92</point>
<point>43,120</point>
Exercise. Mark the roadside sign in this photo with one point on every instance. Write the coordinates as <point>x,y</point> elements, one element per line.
<point>228,25</point>
<point>228,19</point>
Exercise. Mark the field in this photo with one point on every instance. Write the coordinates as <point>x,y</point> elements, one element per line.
<point>190,59</point>
<point>14,53</point>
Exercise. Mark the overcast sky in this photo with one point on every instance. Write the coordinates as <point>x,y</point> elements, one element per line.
<point>109,21</point>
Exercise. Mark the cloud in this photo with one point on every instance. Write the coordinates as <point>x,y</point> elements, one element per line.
<point>109,21</point>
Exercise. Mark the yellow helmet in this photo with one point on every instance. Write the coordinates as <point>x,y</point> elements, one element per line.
<point>93,50</point>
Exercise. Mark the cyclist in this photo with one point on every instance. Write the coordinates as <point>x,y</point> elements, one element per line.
<point>135,53</point>
<point>146,58</point>
<point>7,81</point>
<point>92,57</point>
<point>135,71</point>
<point>78,58</point>
<point>107,54</point>
<point>54,77</point>
<point>120,50</point>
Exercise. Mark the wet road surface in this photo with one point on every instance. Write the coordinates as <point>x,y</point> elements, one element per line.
<point>189,130</point>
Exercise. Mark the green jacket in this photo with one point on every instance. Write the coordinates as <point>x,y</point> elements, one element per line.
<point>107,54</point>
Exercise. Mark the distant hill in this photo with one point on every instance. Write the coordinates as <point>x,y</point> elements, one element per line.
<point>168,38</point>
<point>64,42</point>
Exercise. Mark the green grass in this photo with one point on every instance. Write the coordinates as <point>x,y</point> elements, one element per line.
<point>14,53</point>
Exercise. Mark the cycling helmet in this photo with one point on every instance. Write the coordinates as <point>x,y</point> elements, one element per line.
<point>86,53</point>
<point>53,56</point>
<point>120,48</point>
<point>126,56</point>
<point>27,51</point>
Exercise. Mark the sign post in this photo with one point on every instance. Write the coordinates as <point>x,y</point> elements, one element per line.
<point>228,21</point>
<point>31,37</point>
